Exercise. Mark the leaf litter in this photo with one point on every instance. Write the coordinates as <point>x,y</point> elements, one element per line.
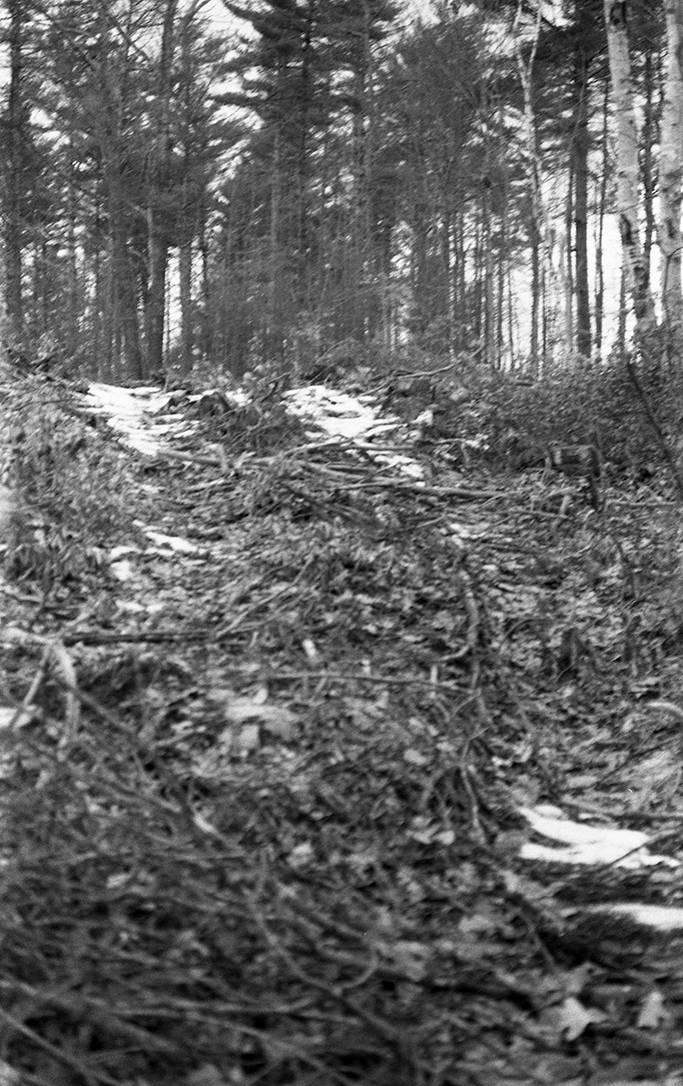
<point>277,763</point>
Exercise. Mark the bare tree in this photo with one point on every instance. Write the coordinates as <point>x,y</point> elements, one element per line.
<point>626,140</point>
<point>671,175</point>
<point>14,125</point>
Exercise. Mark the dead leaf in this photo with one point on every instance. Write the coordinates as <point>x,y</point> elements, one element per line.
<point>224,694</point>
<point>571,1018</point>
<point>414,757</point>
<point>411,958</point>
<point>475,924</point>
<point>279,723</point>
<point>575,980</point>
<point>312,654</point>
<point>249,738</point>
<point>446,837</point>
<point>9,1076</point>
<point>652,1012</point>
<point>7,714</point>
<point>206,1075</point>
<point>301,855</point>
<point>275,719</point>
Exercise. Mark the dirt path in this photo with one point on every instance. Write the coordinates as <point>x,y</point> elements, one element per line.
<point>287,752</point>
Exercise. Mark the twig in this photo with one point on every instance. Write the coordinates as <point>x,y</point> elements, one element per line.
<point>472,610</point>
<point>102,637</point>
<point>357,676</point>
<point>451,366</point>
<point>55,648</point>
<point>89,1075</point>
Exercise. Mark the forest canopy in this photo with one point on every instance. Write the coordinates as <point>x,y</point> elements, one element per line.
<point>292,184</point>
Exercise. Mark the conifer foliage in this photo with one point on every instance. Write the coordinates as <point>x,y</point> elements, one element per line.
<point>298,184</point>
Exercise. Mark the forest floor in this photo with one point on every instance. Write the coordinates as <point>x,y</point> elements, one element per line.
<point>290,735</point>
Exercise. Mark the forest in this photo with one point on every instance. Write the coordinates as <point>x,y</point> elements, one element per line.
<point>341,582</point>
<point>292,185</point>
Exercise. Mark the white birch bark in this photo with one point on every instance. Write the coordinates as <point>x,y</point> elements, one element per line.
<point>626,143</point>
<point>541,221</point>
<point>671,174</point>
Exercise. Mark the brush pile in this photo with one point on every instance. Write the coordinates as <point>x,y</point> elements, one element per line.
<point>263,753</point>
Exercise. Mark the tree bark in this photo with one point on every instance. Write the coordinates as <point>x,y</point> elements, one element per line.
<point>186,329</point>
<point>626,133</point>
<point>600,227</point>
<point>671,176</point>
<point>649,137</point>
<point>538,232</point>
<point>114,91</point>
<point>158,239</point>
<point>567,257</point>
<point>580,148</point>
<point>126,292</point>
<point>14,162</point>
<point>156,295</point>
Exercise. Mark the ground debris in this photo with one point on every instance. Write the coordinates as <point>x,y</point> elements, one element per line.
<point>266,798</point>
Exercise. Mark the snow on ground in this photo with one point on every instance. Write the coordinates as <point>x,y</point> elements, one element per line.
<point>133,413</point>
<point>171,544</point>
<point>587,844</point>
<point>338,413</point>
<point>351,418</point>
<point>138,415</point>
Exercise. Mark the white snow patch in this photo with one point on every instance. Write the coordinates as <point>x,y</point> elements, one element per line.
<point>587,844</point>
<point>120,552</point>
<point>122,569</point>
<point>127,411</point>
<point>139,415</point>
<point>171,542</point>
<point>338,413</point>
<point>660,917</point>
<point>350,418</point>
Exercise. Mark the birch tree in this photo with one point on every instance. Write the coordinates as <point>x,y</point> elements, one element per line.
<point>671,175</point>
<point>539,220</point>
<point>626,144</point>
<point>14,138</point>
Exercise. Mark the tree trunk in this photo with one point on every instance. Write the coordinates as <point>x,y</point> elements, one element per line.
<point>650,136</point>
<point>156,296</point>
<point>114,93</point>
<point>273,345</point>
<point>567,258</point>
<point>458,282</point>
<point>186,330</point>
<point>670,177</point>
<point>13,194</point>
<point>511,308</point>
<point>362,128</point>
<point>500,313</point>
<point>600,227</point>
<point>538,232</point>
<point>306,102</point>
<point>72,338</point>
<point>126,295</point>
<point>158,240</point>
<point>580,149</point>
<point>621,323</point>
<point>487,288</point>
<point>637,271</point>
<point>535,302</point>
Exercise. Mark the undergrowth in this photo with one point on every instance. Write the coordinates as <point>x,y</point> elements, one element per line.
<point>72,484</point>
<point>261,808</point>
<point>600,406</point>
